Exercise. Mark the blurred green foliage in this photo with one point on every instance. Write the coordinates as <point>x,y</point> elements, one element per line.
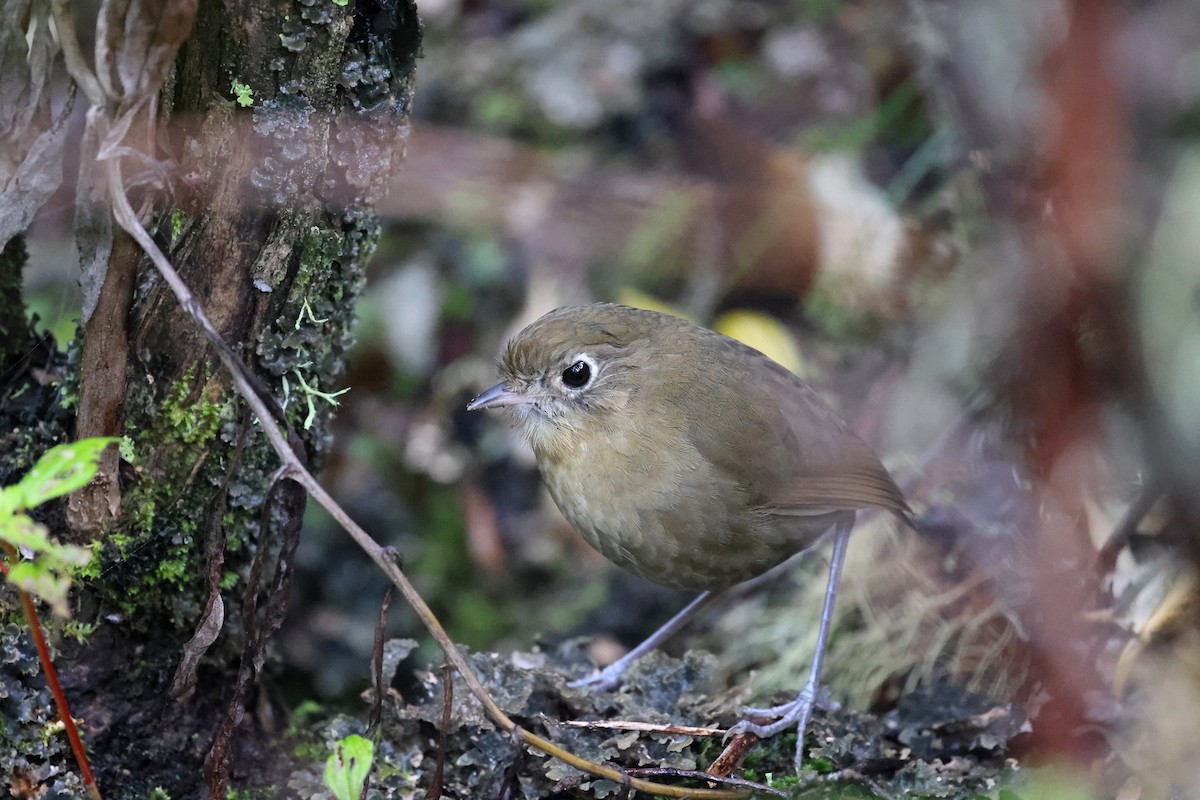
<point>46,570</point>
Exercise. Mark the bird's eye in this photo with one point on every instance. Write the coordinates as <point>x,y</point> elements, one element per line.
<point>577,375</point>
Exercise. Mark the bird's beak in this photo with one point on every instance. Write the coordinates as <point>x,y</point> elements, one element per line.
<point>499,395</point>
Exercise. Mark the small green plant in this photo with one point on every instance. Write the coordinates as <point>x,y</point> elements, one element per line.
<point>45,570</point>
<point>309,392</point>
<point>125,446</point>
<point>243,95</point>
<point>346,770</point>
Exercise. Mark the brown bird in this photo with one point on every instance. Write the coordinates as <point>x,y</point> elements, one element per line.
<point>686,457</point>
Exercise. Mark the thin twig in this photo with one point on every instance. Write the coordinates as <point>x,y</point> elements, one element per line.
<point>675,772</point>
<point>645,727</point>
<point>376,718</point>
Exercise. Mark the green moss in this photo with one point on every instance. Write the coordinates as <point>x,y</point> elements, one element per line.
<point>76,630</point>
<point>177,218</point>
<point>68,390</point>
<point>304,712</point>
<point>309,751</point>
<point>785,782</point>
<point>193,423</point>
<point>304,744</point>
<point>150,562</point>
<point>819,764</point>
<point>753,759</point>
<point>174,570</point>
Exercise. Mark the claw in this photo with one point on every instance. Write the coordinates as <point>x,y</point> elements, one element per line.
<point>785,716</point>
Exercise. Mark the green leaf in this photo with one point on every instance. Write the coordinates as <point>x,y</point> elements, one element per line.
<point>346,770</point>
<point>61,470</point>
<point>47,575</point>
<point>34,577</point>
<point>242,93</point>
<point>46,571</point>
<point>22,532</point>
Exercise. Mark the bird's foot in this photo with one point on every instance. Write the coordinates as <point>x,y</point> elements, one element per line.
<point>795,712</point>
<point>785,716</point>
<point>605,680</point>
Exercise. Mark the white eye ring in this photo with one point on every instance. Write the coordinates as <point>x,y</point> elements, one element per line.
<point>581,367</point>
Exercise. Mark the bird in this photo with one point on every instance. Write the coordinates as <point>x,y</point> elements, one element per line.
<point>687,458</point>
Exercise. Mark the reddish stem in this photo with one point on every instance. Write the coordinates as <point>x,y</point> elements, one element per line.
<point>60,699</point>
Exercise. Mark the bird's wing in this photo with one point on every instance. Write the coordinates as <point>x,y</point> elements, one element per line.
<point>789,450</point>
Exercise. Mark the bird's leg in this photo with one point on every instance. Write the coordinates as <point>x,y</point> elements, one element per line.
<point>610,677</point>
<point>797,711</point>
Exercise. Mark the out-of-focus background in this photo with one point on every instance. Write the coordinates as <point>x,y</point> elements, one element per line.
<point>971,225</point>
